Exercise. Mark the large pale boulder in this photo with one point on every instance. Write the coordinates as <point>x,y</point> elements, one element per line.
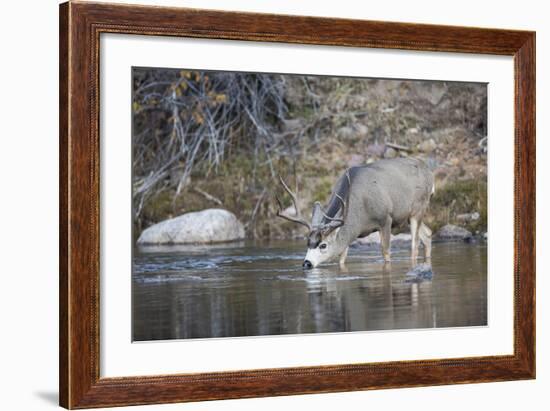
<point>207,226</point>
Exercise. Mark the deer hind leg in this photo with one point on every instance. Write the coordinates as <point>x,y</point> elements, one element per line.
<point>426,239</point>
<point>343,257</point>
<point>385,237</point>
<point>414,239</point>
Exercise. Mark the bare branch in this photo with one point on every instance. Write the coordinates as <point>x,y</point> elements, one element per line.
<point>398,146</point>
<point>208,196</point>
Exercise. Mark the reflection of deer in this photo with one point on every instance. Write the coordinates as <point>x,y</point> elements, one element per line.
<point>365,199</point>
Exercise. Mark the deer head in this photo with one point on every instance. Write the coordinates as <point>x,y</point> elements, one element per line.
<point>322,241</point>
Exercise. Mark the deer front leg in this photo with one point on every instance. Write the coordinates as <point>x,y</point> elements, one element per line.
<point>343,257</point>
<point>426,239</point>
<point>385,237</point>
<point>414,239</point>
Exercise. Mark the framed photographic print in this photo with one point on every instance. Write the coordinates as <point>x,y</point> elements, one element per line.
<point>257,205</point>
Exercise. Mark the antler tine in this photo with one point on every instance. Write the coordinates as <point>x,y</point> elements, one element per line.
<point>344,205</point>
<point>298,218</point>
<point>333,219</point>
<point>291,194</point>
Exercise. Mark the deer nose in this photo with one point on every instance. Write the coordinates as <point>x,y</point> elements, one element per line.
<point>307,264</point>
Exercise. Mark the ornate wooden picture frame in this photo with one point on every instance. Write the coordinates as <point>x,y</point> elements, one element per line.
<point>80,27</point>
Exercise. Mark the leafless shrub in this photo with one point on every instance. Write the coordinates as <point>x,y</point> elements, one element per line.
<point>185,119</point>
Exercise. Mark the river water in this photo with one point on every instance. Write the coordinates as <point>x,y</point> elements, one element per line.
<point>247,289</point>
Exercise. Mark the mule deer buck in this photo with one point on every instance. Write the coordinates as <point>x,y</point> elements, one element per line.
<point>376,197</point>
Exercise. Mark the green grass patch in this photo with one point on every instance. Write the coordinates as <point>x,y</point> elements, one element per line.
<point>456,198</point>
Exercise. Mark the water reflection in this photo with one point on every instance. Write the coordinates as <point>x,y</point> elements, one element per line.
<point>260,289</point>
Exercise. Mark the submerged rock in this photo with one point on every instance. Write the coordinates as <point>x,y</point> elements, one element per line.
<point>419,273</point>
<point>207,226</point>
<point>453,232</point>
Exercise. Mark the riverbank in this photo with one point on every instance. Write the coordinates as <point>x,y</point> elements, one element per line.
<point>328,126</point>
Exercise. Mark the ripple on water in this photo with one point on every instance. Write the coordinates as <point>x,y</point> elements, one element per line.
<point>186,264</point>
<point>170,263</point>
<point>167,278</point>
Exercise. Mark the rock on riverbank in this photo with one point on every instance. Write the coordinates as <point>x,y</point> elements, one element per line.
<point>207,226</point>
<point>373,239</point>
<point>453,232</point>
<point>448,232</point>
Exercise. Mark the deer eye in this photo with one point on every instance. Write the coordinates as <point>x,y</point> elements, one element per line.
<point>323,246</point>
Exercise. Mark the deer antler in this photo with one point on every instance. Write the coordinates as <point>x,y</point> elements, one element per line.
<point>331,223</point>
<point>336,222</point>
<point>298,217</point>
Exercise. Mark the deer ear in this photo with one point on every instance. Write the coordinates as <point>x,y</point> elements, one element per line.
<point>316,215</point>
